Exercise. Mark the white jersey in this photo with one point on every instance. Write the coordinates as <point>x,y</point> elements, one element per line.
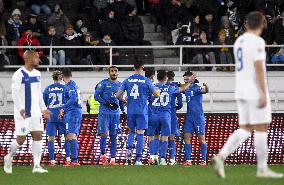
<point>248,49</point>
<point>26,93</point>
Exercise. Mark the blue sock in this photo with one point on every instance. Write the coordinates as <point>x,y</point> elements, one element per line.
<point>130,141</point>
<point>113,146</point>
<point>74,150</point>
<point>51,150</point>
<point>152,147</point>
<point>172,149</point>
<point>103,141</point>
<point>188,151</point>
<point>67,148</point>
<point>204,151</point>
<point>164,148</point>
<point>156,146</point>
<point>139,146</point>
<point>160,143</point>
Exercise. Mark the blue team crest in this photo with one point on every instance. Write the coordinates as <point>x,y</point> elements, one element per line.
<point>38,78</point>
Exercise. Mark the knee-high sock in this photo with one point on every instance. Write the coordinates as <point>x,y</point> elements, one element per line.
<point>74,150</point>
<point>67,148</point>
<point>203,151</point>
<point>152,147</point>
<point>130,140</point>
<point>36,147</point>
<point>103,141</point>
<point>139,146</point>
<point>164,148</point>
<point>172,146</point>
<point>260,142</point>
<point>156,146</point>
<point>13,148</point>
<point>188,148</point>
<point>113,146</point>
<point>160,143</point>
<point>233,142</point>
<point>51,150</point>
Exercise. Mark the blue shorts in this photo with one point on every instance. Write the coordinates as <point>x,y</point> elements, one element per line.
<point>153,128</point>
<point>73,122</point>
<point>174,124</point>
<point>108,124</point>
<point>161,122</point>
<point>137,121</point>
<point>196,126</point>
<point>52,127</point>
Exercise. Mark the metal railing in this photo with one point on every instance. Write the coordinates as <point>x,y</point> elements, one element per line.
<point>177,47</point>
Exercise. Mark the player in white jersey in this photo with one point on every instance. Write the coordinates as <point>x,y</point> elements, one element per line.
<point>254,109</point>
<point>28,109</point>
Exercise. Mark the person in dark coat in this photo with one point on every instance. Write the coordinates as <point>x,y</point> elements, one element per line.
<point>39,6</point>
<point>279,30</point>
<point>132,28</point>
<point>119,7</point>
<point>37,27</point>
<point>14,27</point>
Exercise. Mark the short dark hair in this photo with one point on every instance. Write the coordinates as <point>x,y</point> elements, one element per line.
<point>171,74</point>
<point>66,72</point>
<point>149,73</point>
<point>57,75</point>
<point>188,73</point>
<point>112,67</point>
<point>138,64</point>
<point>162,74</point>
<point>256,20</point>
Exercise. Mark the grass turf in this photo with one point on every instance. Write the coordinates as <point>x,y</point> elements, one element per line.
<point>137,175</point>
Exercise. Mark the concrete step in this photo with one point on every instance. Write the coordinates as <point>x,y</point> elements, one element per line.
<point>146,19</point>
<point>163,53</point>
<point>158,42</point>
<point>151,28</point>
<point>154,36</point>
<point>166,60</point>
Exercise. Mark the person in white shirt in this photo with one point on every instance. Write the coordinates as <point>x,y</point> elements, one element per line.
<point>28,110</point>
<point>254,109</point>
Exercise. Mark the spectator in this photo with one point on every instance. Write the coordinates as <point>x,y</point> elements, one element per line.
<point>49,39</point>
<point>206,53</point>
<point>36,26</point>
<point>225,26</point>
<point>112,27</point>
<point>100,4</point>
<point>14,27</point>
<point>58,20</point>
<point>195,27</point>
<point>27,39</point>
<point>224,54</point>
<point>132,28</point>
<point>71,38</point>
<point>156,10</point>
<point>4,60</point>
<point>39,6</point>
<point>119,7</point>
<point>105,53</point>
<point>92,55</point>
<point>279,30</point>
<point>210,26</point>
<point>80,28</point>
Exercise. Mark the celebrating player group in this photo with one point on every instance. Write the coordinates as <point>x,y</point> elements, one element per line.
<point>151,109</point>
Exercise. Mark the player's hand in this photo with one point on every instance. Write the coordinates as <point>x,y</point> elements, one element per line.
<point>262,102</point>
<point>61,113</point>
<point>46,114</point>
<point>23,113</point>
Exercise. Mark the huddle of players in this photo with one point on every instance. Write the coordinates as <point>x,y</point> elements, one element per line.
<point>151,106</point>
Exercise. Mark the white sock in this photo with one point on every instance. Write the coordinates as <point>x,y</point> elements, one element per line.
<point>13,148</point>
<point>36,152</point>
<point>112,159</point>
<point>68,159</point>
<point>152,157</point>
<point>233,142</point>
<point>260,142</point>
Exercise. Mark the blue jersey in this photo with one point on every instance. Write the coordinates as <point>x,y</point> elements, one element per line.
<point>72,98</point>
<point>194,101</point>
<point>105,93</point>
<point>176,99</point>
<point>53,99</point>
<point>138,88</point>
<point>163,103</point>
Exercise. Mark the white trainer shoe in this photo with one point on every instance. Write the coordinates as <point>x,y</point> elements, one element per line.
<point>39,169</point>
<point>172,162</point>
<point>8,164</point>
<point>163,162</point>
<point>218,163</point>
<point>268,173</point>
<point>138,163</point>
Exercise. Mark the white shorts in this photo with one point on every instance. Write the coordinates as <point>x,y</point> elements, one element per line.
<point>250,114</point>
<point>24,126</point>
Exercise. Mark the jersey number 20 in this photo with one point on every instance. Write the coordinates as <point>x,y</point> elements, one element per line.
<point>164,100</point>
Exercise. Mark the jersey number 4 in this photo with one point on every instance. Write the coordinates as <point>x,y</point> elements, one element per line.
<point>134,91</point>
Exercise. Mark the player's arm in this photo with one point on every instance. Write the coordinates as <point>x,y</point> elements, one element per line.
<point>155,91</point>
<point>45,97</point>
<point>72,99</point>
<point>179,101</point>
<point>46,113</point>
<point>259,71</point>
<point>18,101</point>
<point>98,94</point>
<point>119,94</point>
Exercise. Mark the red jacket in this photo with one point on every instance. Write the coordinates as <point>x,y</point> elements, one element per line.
<point>154,1</point>
<point>28,40</point>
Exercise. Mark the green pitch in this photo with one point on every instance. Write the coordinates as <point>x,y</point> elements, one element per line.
<point>137,175</point>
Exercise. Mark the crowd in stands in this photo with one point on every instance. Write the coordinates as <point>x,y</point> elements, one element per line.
<point>117,22</point>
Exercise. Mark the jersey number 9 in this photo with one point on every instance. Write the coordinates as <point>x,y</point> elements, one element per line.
<point>240,64</point>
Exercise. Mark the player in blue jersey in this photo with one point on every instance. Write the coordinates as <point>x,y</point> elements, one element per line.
<point>162,111</point>
<point>109,113</point>
<point>176,104</point>
<point>195,120</point>
<point>53,98</point>
<point>72,111</point>
<point>137,87</point>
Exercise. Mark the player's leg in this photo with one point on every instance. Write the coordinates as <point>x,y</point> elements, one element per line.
<point>62,131</point>
<point>131,136</point>
<point>21,130</point>
<point>165,121</point>
<point>51,132</point>
<point>188,133</point>
<point>142,125</point>
<point>172,141</point>
<point>201,138</point>
<point>103,127</point>
<point>114,128</point>
<point>151,138</point>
